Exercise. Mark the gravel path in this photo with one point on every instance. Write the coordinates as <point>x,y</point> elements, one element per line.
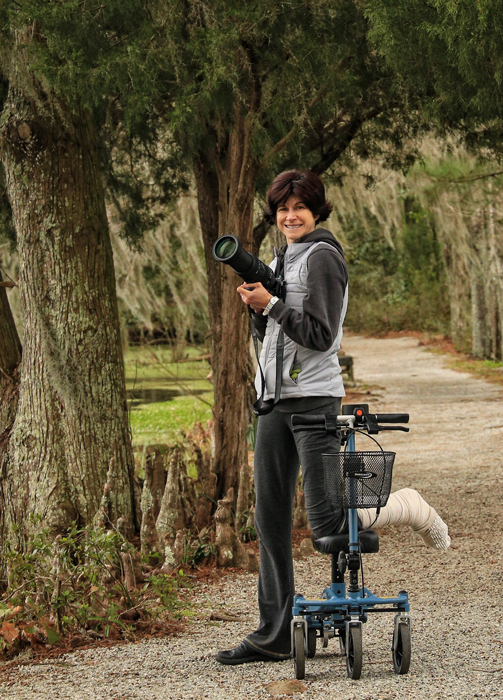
<point>453,456</point>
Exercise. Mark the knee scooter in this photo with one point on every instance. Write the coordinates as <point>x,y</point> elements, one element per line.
<point>352,480</point>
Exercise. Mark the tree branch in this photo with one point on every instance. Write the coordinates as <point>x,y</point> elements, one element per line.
<point>347,136</point>
<point>283,142</point>
<point>467,178</point>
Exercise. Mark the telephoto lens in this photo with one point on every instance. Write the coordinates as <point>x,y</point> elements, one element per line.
<point>229,250</point>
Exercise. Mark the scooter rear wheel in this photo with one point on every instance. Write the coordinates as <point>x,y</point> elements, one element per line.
<point>342,640</point>
<point>311,642</point>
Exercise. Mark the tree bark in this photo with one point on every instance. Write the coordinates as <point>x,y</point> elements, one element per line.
<point>10,357</point>
<point>495,279</point>
<point>72,421</point>
<point>226,194</point>
<point>481,341</point>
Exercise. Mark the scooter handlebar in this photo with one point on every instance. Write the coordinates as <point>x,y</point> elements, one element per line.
<point>330,422</point>
<point>391,417</point>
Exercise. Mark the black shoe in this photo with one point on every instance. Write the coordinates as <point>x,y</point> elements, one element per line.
<point>242,654</point>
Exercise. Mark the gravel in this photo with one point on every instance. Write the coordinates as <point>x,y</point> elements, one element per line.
<point>453,456</point>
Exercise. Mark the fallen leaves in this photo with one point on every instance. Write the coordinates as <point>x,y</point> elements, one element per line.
<point>9,613</point>
<point>9,632</point>
<point>290,687</point>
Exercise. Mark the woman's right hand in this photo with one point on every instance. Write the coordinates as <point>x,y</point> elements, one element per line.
<point>243,291</point>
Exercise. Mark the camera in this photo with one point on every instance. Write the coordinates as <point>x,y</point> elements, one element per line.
<point>227,249</point>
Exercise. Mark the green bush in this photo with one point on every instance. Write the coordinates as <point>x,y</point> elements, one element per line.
<point>399,284</point>
<point>76,584</point>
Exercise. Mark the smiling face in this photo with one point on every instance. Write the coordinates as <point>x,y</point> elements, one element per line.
<point>294,219</point>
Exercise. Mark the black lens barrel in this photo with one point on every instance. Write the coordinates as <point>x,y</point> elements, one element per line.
<point>228,249</point>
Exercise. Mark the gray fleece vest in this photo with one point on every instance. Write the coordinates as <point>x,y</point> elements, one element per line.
<point>305,372</point>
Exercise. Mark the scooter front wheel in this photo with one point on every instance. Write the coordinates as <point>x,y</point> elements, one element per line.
<point>402,648</point>
<point>299,653</point>
<point>354,651</point>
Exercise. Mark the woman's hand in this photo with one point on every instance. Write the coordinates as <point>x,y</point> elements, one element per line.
<point>255,295</point>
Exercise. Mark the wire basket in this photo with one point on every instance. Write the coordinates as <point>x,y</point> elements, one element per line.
<point>358,479</point>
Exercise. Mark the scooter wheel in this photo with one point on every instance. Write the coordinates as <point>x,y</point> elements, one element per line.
<point>402,648</point>
<point>342,640</point>
<point>311,642</point>
<point>299,654</point>
<point>354,651</point>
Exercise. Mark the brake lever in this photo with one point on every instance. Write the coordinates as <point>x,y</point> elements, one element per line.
<point>393,427</point>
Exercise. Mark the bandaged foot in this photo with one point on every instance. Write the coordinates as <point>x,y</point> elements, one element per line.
<point>408,507</point>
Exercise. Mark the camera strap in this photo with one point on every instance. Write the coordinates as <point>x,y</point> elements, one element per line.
<point>261,407</point>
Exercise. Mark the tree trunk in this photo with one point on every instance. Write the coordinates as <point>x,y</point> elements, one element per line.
<point>226,194</point>
<point>486,273</point>
<point>495,280</point>
<point>71,423</point>
<point>10,357</point>
<point>481,340</point>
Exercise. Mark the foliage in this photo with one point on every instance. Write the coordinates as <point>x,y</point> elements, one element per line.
<point>162,290</point>
<point>197,549</point>
<point>153,72</point>
<point>247,531</point>
<point>397,285</point>
<point>76,583</point>
<point>450,53</point>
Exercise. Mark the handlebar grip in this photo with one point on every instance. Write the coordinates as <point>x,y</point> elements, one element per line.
<point>299,419</point>
<point>392,417</point>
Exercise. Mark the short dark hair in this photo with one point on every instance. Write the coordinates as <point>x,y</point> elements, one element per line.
<point>303,184</point>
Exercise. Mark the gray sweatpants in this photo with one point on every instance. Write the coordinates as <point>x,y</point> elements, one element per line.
<point>278,452</point>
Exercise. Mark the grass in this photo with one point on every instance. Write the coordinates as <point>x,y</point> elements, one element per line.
<point>165,422</point>
<point>490,370</point>
<point>152,368</point>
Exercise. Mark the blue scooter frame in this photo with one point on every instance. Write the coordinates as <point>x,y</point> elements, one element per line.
<point>342,610</point>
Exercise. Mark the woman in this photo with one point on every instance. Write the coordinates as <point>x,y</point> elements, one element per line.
<point>311,317</point>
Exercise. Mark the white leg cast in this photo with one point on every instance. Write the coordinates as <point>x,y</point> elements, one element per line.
<point>408,507</point>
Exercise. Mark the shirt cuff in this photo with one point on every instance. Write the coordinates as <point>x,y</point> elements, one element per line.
<point>276,310</point>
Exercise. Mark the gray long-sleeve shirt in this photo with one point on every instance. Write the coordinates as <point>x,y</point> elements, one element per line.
<point>327,277</point>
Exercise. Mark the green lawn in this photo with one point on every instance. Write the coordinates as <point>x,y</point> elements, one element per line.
<point>150,371</point>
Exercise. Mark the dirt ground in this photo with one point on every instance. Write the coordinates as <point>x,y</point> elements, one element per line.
<point>453,455</point>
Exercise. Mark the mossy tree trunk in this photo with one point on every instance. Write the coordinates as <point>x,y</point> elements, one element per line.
<point>10,357</point>
<point>486,277</point>
<point>226,195</point>
<point>70,435</point>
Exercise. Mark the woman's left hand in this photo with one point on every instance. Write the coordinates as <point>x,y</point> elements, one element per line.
<point>255,295</point>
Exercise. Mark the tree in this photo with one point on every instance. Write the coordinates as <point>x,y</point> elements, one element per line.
<point>450,54</point>
<point>245,91</point>
<point>70,433</point>
<point>255,90</point>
